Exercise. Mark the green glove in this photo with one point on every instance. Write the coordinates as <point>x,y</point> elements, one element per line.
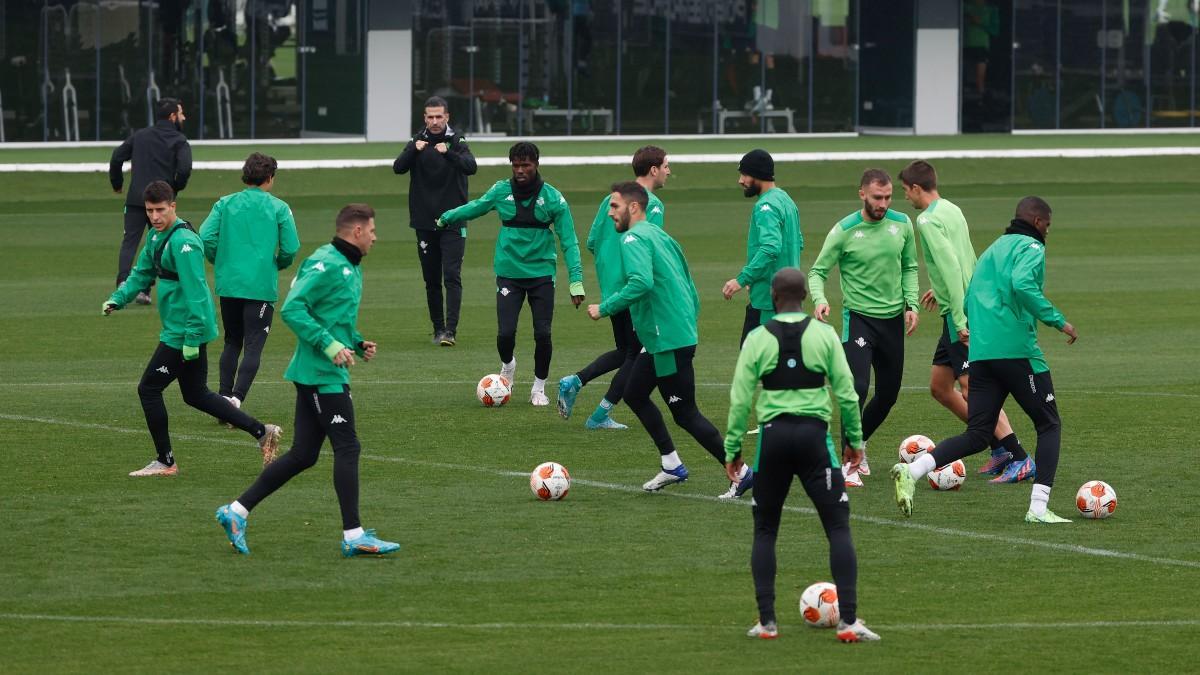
<point>333,349</point>
<point>190,353</point>
<point>576,288</point>
<point>108,307</point>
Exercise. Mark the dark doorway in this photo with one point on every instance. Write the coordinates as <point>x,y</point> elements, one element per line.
<point>887,52</point>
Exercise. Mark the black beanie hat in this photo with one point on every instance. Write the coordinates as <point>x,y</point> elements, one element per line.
<point>758,164</point>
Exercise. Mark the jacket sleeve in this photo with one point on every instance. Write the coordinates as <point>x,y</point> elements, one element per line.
<point>123,153</point>
<point>741,393</point>
<point>210,231</point>
<point>472,209</point>
<point>910,269</point>
<point>139,279</point>
<point>598,222</point>
<point>831,252</point>
<point>639,275</point>
<point>297,308</point>
<point>460,157</point>
<point>1029,268</point>
<point>568,241</point>
<point>289,239</point>
<point>945,272</point>
<point>404,162</point>
<point>841,381</point>
<point>768,226</point>
<point>183,166</point>
<point>189,265</point>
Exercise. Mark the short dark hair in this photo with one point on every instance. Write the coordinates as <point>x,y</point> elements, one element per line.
<point>647,158</point>
<point>874,176</point>
<point>166,107</point>
<point>919,173</point>
<point>1033,207</point>
<point>158,192</point>
<point>354,214</point>
<point>790,284</point>
<point>524,150</point>
<point>437,102</point>
<point>258,169</point>
<point>632,191</point>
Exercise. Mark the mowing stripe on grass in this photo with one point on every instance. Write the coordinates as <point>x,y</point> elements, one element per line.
<point>620,487</point>
<point>501,626</point>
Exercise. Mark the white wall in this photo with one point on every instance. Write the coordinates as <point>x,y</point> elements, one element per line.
<point>938,82</point>
<point>389,85</point>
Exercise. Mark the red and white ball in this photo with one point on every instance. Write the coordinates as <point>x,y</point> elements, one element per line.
<point>1096,499</point>
<point>819,605</point>
<point>949,477</point>
<point>913,447</point>
<point>550,481</point>
<point>493,391</point>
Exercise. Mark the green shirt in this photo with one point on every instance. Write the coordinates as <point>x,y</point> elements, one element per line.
<point>184,306</point>
<point>605,244</point>
<point>822,353</point>
<point>249,236</point>
<point>946,244</point>
<point>322,307</point>
<point>658,290</point>
<point>773,243</point>
<point>523,252</point>
<point>877,261</point>
<point>1005,302</point>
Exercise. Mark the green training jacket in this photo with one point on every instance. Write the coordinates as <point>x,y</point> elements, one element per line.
<point>950,258</point>
<point>605,244</point>
<point>877,263</point>
<point>322,307</point>
<point>773,243</point>
<point>248,237</point>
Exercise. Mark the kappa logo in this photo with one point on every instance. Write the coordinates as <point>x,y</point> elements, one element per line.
<point>673,399</point>
<point>656,210</point>
<point>1049,398</point>
<point>629,239</point>
<point>861,342</point>
<point>1035,246</point>
<point>320,266</point>
<point>337,419</point>
<point>186,248</point>
<point>922,220</point>
<point>504,291</point>
<point>509,199</point>
<point>966,364</point>
<point>541,201</point>
<point>844,498</point>
<point>860,235</point>
<point>893,230</point>
<point>163,370</point>
<point>266,329</point>
<point>345,271</point>
<point>424,245</point>
<point>765,207</point>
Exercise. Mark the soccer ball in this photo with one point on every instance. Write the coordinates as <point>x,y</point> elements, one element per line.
<point>493,391</point>
<point>949,477</point>
<point>913,447</point>
<point>550,481</point>
<point>1096,499</point>
<point>819,605</point>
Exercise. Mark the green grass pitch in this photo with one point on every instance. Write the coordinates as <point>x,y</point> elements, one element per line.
<point>101,572</point>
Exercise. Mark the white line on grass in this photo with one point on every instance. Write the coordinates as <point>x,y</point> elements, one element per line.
<point>620,487</point>
<point>513,625</point>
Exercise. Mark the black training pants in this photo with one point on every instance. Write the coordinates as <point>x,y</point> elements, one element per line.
<point>247,324</point>
<point>511,295</point>
<point>441,253</point>
<point>795,446</point>
<point>136,224</point>
<point>874,344</point>
<point>679,392</point>
<point>620,359</point>
<point>166,366</point>
<point>318,415</point>
<point>992,380</point>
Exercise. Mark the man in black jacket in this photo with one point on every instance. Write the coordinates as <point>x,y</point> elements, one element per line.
<point>438,162</point>
<point>159,152</point>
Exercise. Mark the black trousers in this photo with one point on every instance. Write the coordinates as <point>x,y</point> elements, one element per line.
<point>992,380</point>
<point>318,415</point>
<point>511,295</point>
<point>247,324</point>
<point>166,366</point>
<point>754,319</point>
<point>874,344</point>
<point>136,224</point>
<point>795,446</point>
<point>620,359</point>
<point>678,390</point>
<point>441,253</point>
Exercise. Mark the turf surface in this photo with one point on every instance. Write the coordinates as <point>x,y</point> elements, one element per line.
<point>102,572</point>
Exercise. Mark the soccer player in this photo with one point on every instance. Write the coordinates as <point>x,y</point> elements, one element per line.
<point>792,356</point>
<point>158,152</point>
<point>174,256</point>
<point>651,170</point>
<point>950,260</point>
<point>876,253</point>
<point>248,237</point>
<point>525,262</point>
<point>1005,302</point>
<point>661,298</point>
<point>322,310</point>
<point>438,162</point>
<point>774,240</point>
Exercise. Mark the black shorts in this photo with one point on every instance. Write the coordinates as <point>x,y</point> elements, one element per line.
<point>951,354</point>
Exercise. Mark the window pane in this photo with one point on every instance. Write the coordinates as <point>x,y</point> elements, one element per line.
<point>1080,74</point>
<point>835,67</point>
<point>784,39</point>
<point>334,68</point>
<point>1171,38</point>
<point>692,69</point>
<point>643,86</point>
<point>1035,56</point>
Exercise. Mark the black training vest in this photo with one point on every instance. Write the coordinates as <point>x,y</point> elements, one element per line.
<point>162,272</point>
<point>790,372</point>
<point>524,217</point>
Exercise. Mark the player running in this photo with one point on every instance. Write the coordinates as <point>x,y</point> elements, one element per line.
<point>950,259</point>
<point>651,170</point>
<point>792,356</point>
<point>1004,303</point>
<point>525,261</point>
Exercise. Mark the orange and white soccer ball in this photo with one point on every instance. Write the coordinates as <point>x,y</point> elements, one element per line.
<point>550,481</point>
<point>949,477</point>
<point>493,391</point>
<point>819,605</point>
<point>913,447</point>
<point>1096,499</point>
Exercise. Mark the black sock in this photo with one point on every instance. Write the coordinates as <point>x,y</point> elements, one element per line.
<point>1011,444</point>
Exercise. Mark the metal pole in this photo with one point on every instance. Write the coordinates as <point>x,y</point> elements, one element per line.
<point>302,47</point>
<point>812,55</point>
<point>471,49</point>
<point>520,67</point>
<point>620,55</point>
<point>1104,64</point>
<point>716,57</point>
<point>1058,66</point>
<point>762,88</point>
<point>46,70</point>
<point>1012,73</point>
<point>570,38</point>
<point>667,69</point>
<point>96,39</point>
<point>1192,94</point>
<point>253,63</point>
<point>857,55</point>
